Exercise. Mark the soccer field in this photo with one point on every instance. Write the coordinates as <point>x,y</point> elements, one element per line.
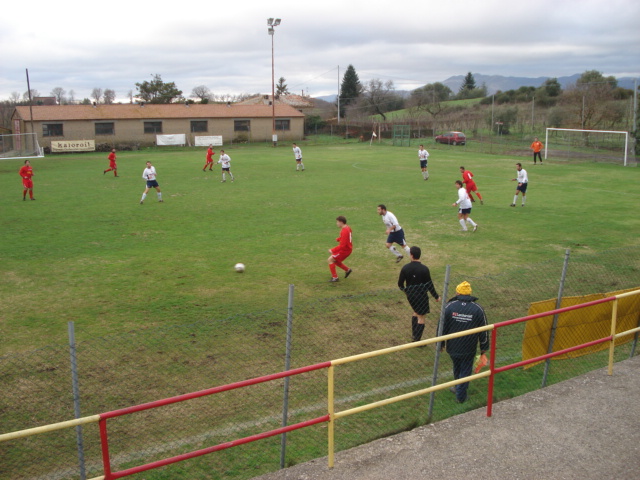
<point>86,251</point>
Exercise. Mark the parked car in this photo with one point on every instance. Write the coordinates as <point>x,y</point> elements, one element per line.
<point>452,138</point>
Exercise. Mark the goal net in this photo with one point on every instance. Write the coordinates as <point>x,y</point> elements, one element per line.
<point>23,145</point>
<point>607,146</point>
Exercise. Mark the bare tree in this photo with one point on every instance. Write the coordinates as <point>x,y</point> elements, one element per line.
<point>109,96</point>
<point>96,94</point>
<point>202,93</point>
<point>34,93</point>
<point>14,98</point>
<point>130,96</point>
<point>379,97</point>
<point>72,97</point>
<point>59,93</point>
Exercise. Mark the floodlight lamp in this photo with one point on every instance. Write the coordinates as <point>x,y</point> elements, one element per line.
<point>277,22</point>
<point>270,21</point>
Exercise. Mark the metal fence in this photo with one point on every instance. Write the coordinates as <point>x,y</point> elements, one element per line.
<point>149,364</point>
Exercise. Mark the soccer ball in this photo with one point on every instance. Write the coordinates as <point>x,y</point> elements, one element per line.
<point>239,267</point>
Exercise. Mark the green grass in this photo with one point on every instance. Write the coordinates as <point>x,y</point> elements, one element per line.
<point>86,251</point>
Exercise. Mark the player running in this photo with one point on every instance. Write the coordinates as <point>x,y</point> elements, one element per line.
<point>26,172</point>
<point>149,174</point>
<point>210,154</point>
<point>470,184</point>
<point>342,251</point>
<point>423,156</point>
<point>225,161</point>
<point>297,153</point>
<point>523,180</point>
<point>464,204</point>
<point>112,163</point>
<point>395,233</point>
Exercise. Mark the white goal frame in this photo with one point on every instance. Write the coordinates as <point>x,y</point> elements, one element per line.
<point>626,138</point>
<point>20,146</point>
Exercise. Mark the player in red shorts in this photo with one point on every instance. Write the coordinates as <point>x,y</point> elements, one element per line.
<point>470,185</point>
<point>210,154</point>
<point>342,251</point>
<point>26,172</point>
<point>112,163</point>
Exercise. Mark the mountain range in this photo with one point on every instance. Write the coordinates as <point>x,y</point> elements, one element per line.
<point>502,83</point>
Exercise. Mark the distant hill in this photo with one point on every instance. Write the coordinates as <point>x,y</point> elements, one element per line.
<point>500,82</point>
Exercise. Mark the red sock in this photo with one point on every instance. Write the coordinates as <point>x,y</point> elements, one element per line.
<point>479,196</point>
<point>342,266</point>
<point>332,267</point>
<point>30,193</point>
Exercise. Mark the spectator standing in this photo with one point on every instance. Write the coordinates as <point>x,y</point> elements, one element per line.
<point>460,314</point>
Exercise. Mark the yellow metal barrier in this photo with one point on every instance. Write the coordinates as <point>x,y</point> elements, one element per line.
<point>49,428</point>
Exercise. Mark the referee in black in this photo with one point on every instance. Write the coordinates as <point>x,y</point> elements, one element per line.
<point>415,281</point>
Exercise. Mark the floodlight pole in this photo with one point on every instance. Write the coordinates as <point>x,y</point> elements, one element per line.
<point>272,23</point>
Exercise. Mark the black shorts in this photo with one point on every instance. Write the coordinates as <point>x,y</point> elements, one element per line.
<point>465,211</point>
<point>419,301</point>
<point>423,164</point>
<point>152,184</point>
<point>522,188</point>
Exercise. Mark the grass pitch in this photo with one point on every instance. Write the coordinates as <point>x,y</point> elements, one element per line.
<point>86,251</point>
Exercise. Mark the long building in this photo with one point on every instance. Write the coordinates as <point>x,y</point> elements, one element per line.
<point>138,124</point>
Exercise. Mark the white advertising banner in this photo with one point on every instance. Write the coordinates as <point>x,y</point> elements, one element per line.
<point>205,141</point>
<point>73,146</point>
<point>177,139</point>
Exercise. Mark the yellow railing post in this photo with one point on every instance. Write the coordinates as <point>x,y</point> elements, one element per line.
<point>612,345</point>
<point>330,406</point>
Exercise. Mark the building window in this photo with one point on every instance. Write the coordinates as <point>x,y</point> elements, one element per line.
<point>152,127</point>
<point>52,130</point>
<point>199,126</point>
<point>283,125</point>
<point>241,125</point>
<point>106,128</point>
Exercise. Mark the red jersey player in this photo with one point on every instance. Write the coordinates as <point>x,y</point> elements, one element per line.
<point>470,185</point>
<point>210,154</point>
<point>26,172</point>
<point>342,251</point>
<point>112,163</point>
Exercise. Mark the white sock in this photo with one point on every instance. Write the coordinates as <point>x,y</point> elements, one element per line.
<point>464,227</point>
<point>231,176</point>
<point>159,195</point>
<point>515,199</point>
<point>224,177</point>
<point>523,197</point>
<point>406,249</point>
<point>394,251</point>
<point>144,195</point>
<point>302,165</point>
<point>471,222</point>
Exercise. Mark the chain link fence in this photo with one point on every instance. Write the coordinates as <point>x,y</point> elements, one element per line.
<point>151,364</point>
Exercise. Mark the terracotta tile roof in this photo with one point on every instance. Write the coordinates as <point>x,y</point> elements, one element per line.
<point>150,110</point>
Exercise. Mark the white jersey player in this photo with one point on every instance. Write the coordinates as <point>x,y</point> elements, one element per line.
<point>464,207</point>
<point>395,233</point>
<point>149,174</point>
<point>225,161</point>
<point>297,153</point>
<point>423,156</point>
<point>523,180</point>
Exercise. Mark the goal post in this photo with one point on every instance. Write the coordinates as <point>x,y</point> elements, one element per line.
<point>20,145</point>
<point>586,134</point>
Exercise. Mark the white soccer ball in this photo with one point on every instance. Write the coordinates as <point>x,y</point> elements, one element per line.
<point>239,267</point>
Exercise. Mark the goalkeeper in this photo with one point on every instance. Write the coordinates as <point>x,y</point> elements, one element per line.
<point>463,313</point>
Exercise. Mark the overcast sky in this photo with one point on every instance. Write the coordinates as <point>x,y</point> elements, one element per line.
<point>225,45</point>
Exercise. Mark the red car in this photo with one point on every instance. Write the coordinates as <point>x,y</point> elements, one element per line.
<point>452,138</point>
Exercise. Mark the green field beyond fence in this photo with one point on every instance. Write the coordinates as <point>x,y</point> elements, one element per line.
<point>159,311</point>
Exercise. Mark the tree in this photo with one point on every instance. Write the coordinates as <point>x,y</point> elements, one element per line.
<point>59,93</point>
<point>350,89</point>
<point>202,93</point>
<point>96,94</point>
<point>14,98</point>
<point>34,93</point>
<point>72,96</point>
<point>590,100</point>
<point>469,83</point>
<point>429,97</point>
<point>379,97</point>
<point>109,96</point>
<point>157,91</point>
<point>281,87</point>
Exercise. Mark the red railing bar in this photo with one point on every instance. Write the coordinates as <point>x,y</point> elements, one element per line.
<point>553,312</point>
<point>222,446</point>
<point>492,365</point>
<point>553,354</point>
<point>106,462</point>
<point>211,391</point>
